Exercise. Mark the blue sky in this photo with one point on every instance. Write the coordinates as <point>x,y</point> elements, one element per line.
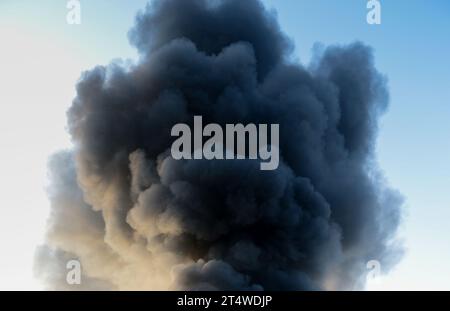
<point>412,47</point>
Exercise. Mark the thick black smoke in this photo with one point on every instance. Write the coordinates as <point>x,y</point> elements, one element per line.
<point>138,219</point>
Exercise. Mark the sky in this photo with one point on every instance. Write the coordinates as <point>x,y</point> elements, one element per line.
<point>42,56</point>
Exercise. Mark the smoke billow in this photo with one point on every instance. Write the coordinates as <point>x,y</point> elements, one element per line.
<point>138,219</point>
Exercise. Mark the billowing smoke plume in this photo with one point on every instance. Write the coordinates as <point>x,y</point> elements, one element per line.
<point>138,219</point>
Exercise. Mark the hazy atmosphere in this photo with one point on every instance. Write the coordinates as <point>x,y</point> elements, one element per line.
<point>356,201</point>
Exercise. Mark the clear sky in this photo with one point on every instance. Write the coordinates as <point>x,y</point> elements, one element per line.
<point>42,56</point>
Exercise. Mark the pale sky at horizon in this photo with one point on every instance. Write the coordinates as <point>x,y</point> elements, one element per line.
<point>412,46</point>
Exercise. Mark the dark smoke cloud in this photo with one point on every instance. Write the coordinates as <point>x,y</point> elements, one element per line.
<point>137,219</point>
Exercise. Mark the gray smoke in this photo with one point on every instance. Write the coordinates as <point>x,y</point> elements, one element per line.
<point>138,219</point>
